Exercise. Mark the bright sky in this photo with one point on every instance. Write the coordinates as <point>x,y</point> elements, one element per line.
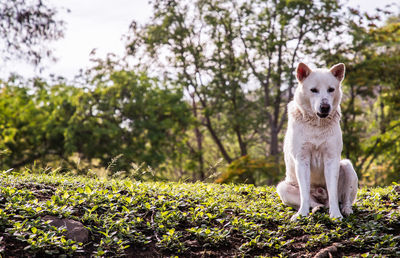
<point>90,24</point>
<point>100,24</point>
<point>95,24</point>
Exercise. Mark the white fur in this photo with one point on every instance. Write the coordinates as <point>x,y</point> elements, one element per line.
<point>315,173</point>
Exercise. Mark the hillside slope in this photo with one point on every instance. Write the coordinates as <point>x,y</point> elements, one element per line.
<point>129,218</point>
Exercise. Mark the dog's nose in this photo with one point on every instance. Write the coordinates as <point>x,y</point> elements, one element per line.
<point>325,108</point>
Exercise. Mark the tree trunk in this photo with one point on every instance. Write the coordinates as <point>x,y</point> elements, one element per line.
<point>216,139</point>
<point>274,143</point>
<point>242,144</point>
<point>199,140</point>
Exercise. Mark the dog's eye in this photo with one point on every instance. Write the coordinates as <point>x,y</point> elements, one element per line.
<point>314,90</point>
<point>331,89</point>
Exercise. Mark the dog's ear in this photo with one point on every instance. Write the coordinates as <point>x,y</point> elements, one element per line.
<point>338,71</point>
<point>302,72</point>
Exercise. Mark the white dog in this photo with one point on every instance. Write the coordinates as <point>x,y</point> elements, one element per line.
<point>315,174</point>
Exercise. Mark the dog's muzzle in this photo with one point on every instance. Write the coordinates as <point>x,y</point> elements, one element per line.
<point>324,109</point>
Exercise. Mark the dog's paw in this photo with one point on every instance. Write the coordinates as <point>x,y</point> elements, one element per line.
<point>346,211</point>
<point>336,215</point>
<point>318,209</point>
<point>297,216</point>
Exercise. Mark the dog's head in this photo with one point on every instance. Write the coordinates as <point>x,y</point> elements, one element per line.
<point>320,90</point>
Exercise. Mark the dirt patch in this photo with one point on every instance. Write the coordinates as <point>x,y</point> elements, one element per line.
<point>327,252</point>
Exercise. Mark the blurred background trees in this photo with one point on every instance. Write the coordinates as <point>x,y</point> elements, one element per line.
<point>26,26</point>
<point>206,95</point>
<point>133,117</point>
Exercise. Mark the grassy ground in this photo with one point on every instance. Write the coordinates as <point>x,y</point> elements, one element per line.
<point>129,218</point>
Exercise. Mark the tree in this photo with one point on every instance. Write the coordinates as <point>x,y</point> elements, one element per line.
<point>372,58</point>
<point>275,35</point>
<point>384,63</point>
<point>235,60</point>
<point>129,115</point>
<point>33,119</point>
<point>26,27</point>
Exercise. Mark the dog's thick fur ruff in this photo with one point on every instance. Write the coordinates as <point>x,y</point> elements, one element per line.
<point>315,174</point>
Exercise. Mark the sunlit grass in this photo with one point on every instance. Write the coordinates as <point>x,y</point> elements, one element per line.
<point>128,217</point>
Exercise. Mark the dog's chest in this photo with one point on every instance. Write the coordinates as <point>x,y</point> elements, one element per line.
<point>315,139</point>
<point>316,158</point>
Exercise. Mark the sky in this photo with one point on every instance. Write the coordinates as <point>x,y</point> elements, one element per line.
<point>90,24</point>
<point>100,24</point>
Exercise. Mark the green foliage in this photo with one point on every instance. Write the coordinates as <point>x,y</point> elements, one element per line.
<point>248,170</point>
<point>133,118</point>
<point>236,62</point>
<point>370,105</point>
<point>235,59</point>
<point>127,218</point>
<point>32,121</point>
<point>225,76</point>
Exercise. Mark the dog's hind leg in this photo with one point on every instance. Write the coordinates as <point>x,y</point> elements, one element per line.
<point>347,186</point>
<point>290,195</point>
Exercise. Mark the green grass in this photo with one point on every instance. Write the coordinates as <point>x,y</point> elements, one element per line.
<point>131,218</point>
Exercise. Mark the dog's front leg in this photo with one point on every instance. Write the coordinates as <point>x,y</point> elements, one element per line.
<point>302,167</point>
<point>331,169</point>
